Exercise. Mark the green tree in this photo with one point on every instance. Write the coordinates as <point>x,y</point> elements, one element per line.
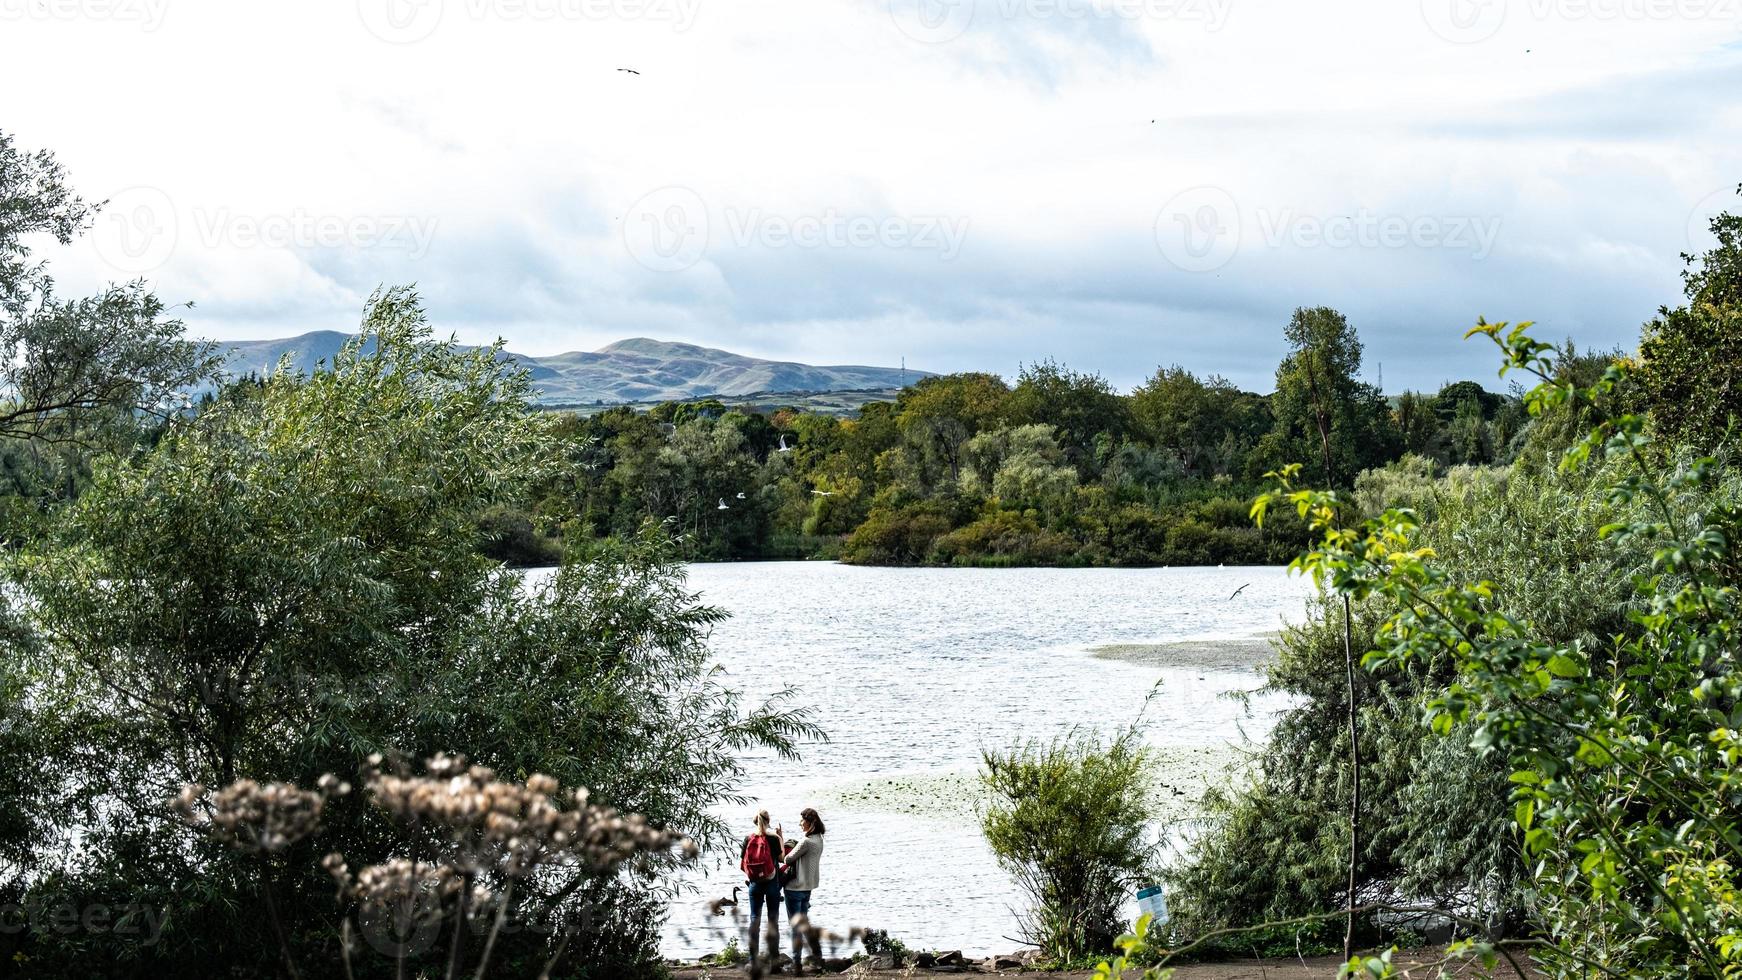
<point>1191,419</point>
<point>1318,382</point>
<point>76,369</point>
<point>1083,409</point>
<point>939,414</point>
<point>1691,356</point>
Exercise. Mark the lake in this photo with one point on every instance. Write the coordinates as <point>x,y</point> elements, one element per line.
<point>913,671</point>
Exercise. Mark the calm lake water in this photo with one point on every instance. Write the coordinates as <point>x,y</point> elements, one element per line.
<point>913,671</point>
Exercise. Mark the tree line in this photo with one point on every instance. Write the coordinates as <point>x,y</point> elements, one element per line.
<point>1055,468</point>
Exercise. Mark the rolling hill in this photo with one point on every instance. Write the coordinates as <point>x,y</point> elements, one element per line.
<point>634,370</point>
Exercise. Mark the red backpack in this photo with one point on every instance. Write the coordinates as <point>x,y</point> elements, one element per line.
<point>759,858</point>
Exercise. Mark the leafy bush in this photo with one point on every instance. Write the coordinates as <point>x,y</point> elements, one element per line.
<point>1621,747</point>
<point>1437,830</point>
<point>507,535</point>
<point>1069,819</point>
<point>1006,535</point>
<point>896,536</point>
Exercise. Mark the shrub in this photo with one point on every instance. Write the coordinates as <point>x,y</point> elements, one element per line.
<point>896,535</point>
<point>1009,535</point>
<point>1069,820</point>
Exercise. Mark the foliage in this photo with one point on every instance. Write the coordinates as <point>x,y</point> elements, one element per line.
<point>1691,356</point>
<point>472,839</point>
<point>76,370</point>
<point>1442,840</point>
<point>1321,374</point>
<point>290,581</point>
<point>1057,469</point>
<point>1621,747</point>
<point>1069,820</point>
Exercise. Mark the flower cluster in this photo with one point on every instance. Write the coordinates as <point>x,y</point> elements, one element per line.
<point>494,831</point>
<point>257,817</point>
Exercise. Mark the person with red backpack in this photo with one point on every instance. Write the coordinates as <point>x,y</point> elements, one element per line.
<point>759,857</point>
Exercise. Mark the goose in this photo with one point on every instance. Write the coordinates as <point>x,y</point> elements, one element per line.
<point>722,505</point>
<point>719,905</point>
<point>784,448</point>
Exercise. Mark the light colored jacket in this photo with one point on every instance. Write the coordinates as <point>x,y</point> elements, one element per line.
<point>806,860</point>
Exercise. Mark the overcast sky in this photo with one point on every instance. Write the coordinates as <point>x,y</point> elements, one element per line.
<point>971,184</point>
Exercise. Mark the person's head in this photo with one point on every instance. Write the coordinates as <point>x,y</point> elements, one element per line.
<point>808,819</point>
<point>762,821</point>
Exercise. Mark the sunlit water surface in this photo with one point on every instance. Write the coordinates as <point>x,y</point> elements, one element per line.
<point>912,671</point>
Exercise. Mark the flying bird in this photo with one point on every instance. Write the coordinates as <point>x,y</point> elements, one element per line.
<point>630,71</point>
<point>1239,590</point>
<point>784,448</point>
<point>824,493</point>
<point>723,504</point>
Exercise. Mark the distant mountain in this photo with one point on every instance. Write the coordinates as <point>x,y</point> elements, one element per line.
<point>635,370</point>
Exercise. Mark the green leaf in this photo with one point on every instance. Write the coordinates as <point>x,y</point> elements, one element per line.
<point>1562,665</point>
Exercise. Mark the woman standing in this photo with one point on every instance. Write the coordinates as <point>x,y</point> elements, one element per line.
<point>803,864</point>
<point>759,857</point>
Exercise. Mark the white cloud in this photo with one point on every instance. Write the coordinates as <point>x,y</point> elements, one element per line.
<point>1054,132</point>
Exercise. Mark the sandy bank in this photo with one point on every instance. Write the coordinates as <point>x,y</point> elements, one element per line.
<point>1246,653</point>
